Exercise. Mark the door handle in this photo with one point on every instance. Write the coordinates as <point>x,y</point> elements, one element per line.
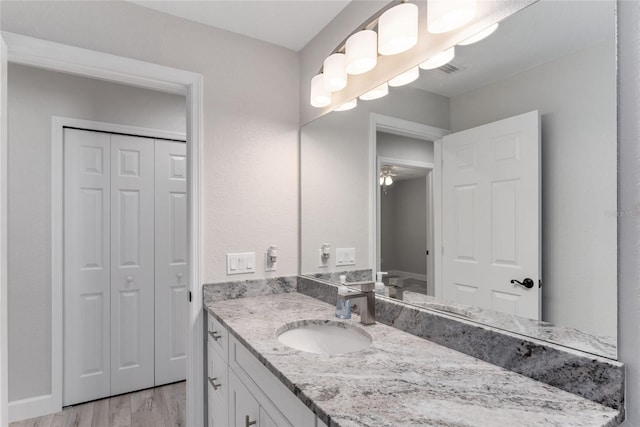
<point>526,283</point>
<point>215,335</point>
<point>248,423</point>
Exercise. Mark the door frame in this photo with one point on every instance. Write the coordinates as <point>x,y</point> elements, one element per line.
<point>102,66</point>
<point>57,228</point>
<point>380,160</point>
<point>401,127</point>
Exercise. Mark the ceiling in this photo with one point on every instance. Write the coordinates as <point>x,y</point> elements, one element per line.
<point>542,32</point>
<point>288,23</point>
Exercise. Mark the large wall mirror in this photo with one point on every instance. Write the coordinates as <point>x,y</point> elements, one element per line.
<point>487,187</point>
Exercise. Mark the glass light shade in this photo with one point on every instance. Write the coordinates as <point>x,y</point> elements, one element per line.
<point>388,180</point>
<point>405,78</point>
<point>480,36</point>
<point>348,105</point>
<point>335,72</point>
<point>439,60</point>
<point>320,97</point>
<point>362,52</point>
<point>447,15</point>
<point>381,180</point>
<point>376,93</point>
<point>398,29</point>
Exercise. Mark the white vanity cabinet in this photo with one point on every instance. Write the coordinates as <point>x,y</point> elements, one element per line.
<point>242,392</point>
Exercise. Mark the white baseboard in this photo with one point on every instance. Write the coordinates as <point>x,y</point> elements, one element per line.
<point>32,407</point>
<point>405,274</point>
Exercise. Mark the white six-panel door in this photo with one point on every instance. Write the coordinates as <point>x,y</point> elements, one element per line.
<point>125,264</point>
<point>171,261</point>
<point>87,266</point>
<point>132,263</point>
<point>491,215</point>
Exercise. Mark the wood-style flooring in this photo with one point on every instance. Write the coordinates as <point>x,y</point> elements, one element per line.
<point>155,407</point>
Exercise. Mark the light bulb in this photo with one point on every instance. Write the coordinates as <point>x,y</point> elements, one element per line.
<point>335,72</point>
<point>362,52</point>
<point>381,180</point>
<point>447,15</point>
<point>348,105</point>
<point>388,180</point>
<point>439,60</point>
<point>376,93</point>
<point>405,78</point>
<point>398,29</point>
<point>320,97</point>
<point>480,36</point>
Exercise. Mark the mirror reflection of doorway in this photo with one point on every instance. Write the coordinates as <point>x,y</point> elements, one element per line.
<point>405,224</point>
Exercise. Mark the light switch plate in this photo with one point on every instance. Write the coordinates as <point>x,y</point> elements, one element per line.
<point>241,263</point>
<point>345,256</point>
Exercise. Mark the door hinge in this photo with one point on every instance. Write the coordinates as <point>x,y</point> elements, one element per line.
<point>427,252</point>
<point>539,283</point>
<point>189,296</point>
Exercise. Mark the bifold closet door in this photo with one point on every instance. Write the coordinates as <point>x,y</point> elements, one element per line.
<point>109,265</point>
<point>87,267</point>
<point>171,262</point>
<point>132,263</point>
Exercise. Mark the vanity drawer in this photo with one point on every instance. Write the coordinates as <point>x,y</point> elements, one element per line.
<point>249,369</point>
<point>217,374</point>
<point>218,337</point>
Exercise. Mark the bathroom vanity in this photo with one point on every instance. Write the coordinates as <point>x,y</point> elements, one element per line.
<point>398,379</point>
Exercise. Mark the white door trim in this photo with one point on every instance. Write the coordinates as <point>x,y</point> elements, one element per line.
<point>395,126</point>
<point>69,59</point>
<point>4,384</point>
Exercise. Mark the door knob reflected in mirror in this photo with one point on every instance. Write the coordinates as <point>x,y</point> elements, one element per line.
<point>527,283</point>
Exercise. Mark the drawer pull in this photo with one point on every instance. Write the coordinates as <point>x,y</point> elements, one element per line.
<point>214,385</point>
<point>248,423</point>
<point>215,335</point>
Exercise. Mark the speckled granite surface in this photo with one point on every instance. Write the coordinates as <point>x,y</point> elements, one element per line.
<point>569,337</point>
<point>400,380</point>
<point>595,378</point>
<point>248,288</point>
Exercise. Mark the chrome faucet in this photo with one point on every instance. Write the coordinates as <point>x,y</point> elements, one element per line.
<point>368,312</point>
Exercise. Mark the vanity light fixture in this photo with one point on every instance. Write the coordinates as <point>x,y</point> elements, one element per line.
<point>361,51</point>
<point>480,36</point>
<point>398,29</point>
<point>447,15</point>
<point>376,93</point>
<point>386,178</point>
<point>405,78</point>
<point>335,72</point>
<point>439,60</point>
<point>348,105</point>
<point>320,97</point>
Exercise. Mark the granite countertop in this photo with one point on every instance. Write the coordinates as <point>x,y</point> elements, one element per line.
<point>400,379</point>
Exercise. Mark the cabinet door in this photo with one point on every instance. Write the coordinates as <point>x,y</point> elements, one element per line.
<point>242,404</point>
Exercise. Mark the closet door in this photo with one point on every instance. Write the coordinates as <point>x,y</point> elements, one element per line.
<point>171,262</point>
<point>132,263</point>
<point>87,267</point>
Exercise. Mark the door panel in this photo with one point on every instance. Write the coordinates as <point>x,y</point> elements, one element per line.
<point>87,266</point>
<point>132,270</point>
<point>491,215</point>
<point>171,262</point>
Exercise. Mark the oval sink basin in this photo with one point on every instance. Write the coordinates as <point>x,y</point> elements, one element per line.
<point>323,336</point>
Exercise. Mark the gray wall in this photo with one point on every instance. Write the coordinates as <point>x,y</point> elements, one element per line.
<point>576,97</point>
<point>250,122</point>
<point>404,147</point>
<point>34,96</point>
<point>404,232</point>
